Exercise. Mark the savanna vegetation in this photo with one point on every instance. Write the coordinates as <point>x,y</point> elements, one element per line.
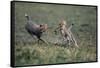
<point>29,52</point>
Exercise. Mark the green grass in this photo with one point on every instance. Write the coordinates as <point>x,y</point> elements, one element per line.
<point>28,52</point>
<point>51,54</point>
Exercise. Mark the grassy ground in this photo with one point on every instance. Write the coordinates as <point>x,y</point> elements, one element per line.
<point>51,54</point>
<point>28,52</point>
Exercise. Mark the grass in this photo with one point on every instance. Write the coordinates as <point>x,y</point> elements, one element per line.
<point>51,54</point>
<point>28,52</point>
